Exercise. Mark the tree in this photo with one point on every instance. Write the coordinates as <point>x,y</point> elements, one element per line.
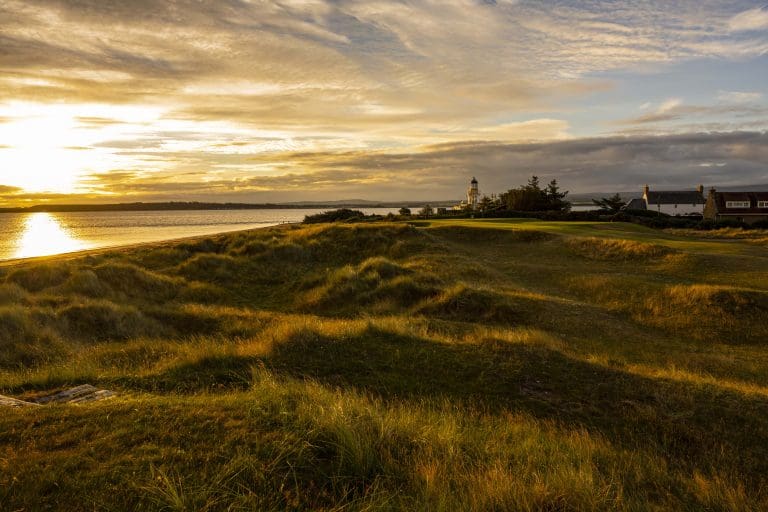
<point>532,198</point>
<point>612,204</point>
<point>521,199</point>
<point>486,204</point>
<point>554,199</point>
<point>426,211</point>
<point>404,211</point>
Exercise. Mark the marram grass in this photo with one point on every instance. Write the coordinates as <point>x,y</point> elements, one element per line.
<point>459,366</point>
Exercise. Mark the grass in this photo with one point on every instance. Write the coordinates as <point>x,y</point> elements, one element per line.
<point>454,365</point>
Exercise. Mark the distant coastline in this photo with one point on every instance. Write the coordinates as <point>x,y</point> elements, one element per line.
<point>194,205</point>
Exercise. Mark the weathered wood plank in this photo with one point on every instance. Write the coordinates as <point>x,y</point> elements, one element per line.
<point>68,395</point>
<point>77,395</point>
<point>6,401</point>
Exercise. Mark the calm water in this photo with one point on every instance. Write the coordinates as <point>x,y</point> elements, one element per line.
<point>25,235</point>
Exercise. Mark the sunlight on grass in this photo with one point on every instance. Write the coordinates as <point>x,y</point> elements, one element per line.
<point>467,365</point>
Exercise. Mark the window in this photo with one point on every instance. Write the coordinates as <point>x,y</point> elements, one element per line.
<point>737,204</point>
<point>762,204</point>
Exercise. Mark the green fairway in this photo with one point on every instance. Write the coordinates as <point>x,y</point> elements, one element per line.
<point>489,364</point>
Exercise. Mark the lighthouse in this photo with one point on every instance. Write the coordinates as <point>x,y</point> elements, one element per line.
<point>473,195</point>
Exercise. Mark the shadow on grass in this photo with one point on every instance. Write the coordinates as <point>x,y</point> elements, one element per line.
<point>206,374</point>
<point>697,427</point>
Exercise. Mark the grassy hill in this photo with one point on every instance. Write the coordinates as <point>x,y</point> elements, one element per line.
<point>451,365</point>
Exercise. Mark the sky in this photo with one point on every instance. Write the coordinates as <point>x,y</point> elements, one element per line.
<point>302,100</point>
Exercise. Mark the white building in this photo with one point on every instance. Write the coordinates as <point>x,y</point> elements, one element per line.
<point>473,194</point>
<point>674,202</point>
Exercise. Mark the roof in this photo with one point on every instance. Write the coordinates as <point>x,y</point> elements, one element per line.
<point>675,197</point>
<point>635,203</point>
<point>752,197</point>
<point>474,180</point>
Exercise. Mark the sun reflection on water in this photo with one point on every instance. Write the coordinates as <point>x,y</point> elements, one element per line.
<point>43,234</point>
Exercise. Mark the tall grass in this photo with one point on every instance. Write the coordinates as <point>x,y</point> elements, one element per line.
<point>616,250</point>
<point>389,367</point>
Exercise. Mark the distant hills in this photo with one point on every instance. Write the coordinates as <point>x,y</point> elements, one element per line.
<point>575,198</point>
<point>194,205</point>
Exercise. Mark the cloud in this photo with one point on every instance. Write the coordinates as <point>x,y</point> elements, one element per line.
<point>751,19</point>
<point>526,131</point>
<point>7,189</point>
<point>458,59</point>
<point>669,105</point>
<point>674,110</point>
<point>739,96</point>
<point>236,97</point>
<point>441,171</point>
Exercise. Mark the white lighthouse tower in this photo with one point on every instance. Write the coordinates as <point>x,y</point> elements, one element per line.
<point>473,195</point>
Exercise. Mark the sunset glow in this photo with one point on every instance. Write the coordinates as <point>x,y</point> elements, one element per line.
<point>44,234</point>
<point>376,100</point>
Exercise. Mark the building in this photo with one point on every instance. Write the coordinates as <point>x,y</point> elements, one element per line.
<point>674,202</point>
<point>473,194</point>
<point>473,198</point>
<point>635,204</point>
<point>747,207</point>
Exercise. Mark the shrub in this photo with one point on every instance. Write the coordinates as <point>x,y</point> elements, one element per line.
<point>340,215</point>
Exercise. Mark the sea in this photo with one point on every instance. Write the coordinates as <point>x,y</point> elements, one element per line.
<point>27,235</point>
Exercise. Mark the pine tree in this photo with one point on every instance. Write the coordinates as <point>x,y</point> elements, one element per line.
<point>612,204</point>
<point>531,197</point>
<point>555,199</point>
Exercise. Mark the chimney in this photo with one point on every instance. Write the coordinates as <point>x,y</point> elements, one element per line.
<point>645,191</point>
<point>700,188</point>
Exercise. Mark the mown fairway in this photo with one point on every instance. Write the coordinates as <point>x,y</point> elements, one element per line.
<point>448,365</point>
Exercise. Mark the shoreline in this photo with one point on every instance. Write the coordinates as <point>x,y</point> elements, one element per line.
<point>194,206</point>
<point>99,250</point>
<point>55,234</point>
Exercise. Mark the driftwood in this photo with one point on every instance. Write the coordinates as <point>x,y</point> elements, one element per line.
<point>76,395</point>
<point>12,402</point>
